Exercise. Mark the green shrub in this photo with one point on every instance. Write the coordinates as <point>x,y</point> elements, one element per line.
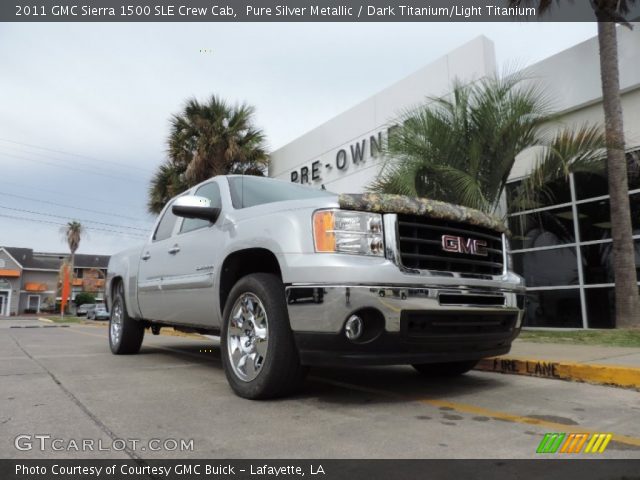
<point>84,297</point>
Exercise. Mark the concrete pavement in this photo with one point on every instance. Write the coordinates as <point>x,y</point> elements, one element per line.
<point>64,382</point>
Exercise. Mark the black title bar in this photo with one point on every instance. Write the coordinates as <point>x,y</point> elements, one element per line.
<point>210,469</point>
<point>294,11</point>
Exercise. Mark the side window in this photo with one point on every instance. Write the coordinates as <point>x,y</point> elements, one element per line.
<point>210,191</point>
<point>165,227</point>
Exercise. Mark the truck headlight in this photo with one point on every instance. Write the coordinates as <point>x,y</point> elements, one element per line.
<point>345,231</point>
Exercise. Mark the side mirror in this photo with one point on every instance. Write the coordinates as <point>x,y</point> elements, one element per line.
<point>192,206</point>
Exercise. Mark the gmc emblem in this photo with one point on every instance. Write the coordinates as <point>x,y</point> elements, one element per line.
<point>471,246</point>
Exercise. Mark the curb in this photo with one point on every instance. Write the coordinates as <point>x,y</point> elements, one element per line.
<point>42,319</point>
<point>598,374</point>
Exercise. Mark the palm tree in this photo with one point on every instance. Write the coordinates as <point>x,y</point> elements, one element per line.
<point>72,233</point>
<point>607,13</point>
<point>166,183</point>
<point>208,139</point>
<point>461,149</point>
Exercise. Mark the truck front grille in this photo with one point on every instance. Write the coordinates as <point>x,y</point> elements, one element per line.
<point>421,246</point>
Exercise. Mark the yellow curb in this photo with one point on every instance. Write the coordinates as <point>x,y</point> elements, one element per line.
<point>599,374</point>
<point>42,319</point>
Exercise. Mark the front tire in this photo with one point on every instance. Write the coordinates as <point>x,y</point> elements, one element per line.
<point>259,354</point>
<point>449,369</point>
<point>125,333</point>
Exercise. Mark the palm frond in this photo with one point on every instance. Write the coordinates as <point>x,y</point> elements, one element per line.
<point>571,150</point>
<point>207,139</point>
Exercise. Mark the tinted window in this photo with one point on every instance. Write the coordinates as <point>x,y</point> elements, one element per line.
<point>590,185</point>
<point>594,185</point>
<point>597,260</point>
<point>553,193</point>
<point>601,308</point>
<point>165,227</point>
<point>595,222</point>
<point>544,268</point>
<point>542,229</point>
<point>210,191</point>
<point>248,191</point>
<point>557,308</point>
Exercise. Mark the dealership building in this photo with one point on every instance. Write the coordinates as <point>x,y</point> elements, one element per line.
<point>562,249</point>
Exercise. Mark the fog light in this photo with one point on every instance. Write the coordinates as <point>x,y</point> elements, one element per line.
<point>353,327</point>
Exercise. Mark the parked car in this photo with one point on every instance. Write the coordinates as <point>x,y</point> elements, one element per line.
<point>84,308</point>
<point>98,312</point>
<point>290,276</point>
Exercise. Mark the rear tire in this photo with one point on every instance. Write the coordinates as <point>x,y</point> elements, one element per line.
<point>258,350</point>
<point>125,333</point>
<point>449,369</point>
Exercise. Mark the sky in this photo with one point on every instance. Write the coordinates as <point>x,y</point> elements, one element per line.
<point>85,108</point>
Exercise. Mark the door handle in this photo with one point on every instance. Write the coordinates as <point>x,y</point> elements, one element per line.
<point>175,249</point>
<point>146,256</point>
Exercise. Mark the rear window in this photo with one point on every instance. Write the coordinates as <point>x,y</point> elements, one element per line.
<point>249,191</point>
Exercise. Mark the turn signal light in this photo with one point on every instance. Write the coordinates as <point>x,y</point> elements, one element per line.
<point>323,231</point>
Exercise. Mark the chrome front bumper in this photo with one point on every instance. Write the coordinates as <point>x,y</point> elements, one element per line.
<point>325,308</point>
<point>413,325</point>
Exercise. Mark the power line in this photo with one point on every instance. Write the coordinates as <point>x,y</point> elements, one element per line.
<point>62,194</point>
<point>66,163</point>
<point>63,224</point>
<point>71,218</point>
<point>117,177</point>
<point>76,155</point>
<point>72,207</point>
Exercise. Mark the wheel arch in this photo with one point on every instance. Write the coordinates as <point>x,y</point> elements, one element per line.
<point>111,289</point>
<point>114,283</point>
<point>244,262</point>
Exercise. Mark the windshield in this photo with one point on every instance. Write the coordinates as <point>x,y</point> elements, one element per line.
<point>249,191</point>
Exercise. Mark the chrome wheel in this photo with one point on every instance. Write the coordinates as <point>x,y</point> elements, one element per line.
<point>247,337</point>
<point>115,328</point>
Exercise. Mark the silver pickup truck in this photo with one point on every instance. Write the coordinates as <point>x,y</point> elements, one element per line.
<point>290,276</point>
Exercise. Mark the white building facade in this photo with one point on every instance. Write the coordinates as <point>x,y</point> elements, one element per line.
<point>562,249</point>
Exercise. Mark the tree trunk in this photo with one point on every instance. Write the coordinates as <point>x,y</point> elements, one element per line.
<point>626,286</point>
<point>71,277</point>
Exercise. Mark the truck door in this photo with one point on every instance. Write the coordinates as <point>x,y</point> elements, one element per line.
<point>153,267</point>
<point>197,246</point>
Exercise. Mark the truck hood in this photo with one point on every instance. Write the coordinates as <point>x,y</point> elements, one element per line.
<point>385,203</point>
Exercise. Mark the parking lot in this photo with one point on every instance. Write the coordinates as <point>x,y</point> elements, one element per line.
<point>63,382</point>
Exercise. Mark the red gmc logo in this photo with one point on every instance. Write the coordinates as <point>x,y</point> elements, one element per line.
<point>471,246</point>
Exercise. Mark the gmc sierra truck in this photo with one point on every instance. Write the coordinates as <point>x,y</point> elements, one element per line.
<point>291,276</point>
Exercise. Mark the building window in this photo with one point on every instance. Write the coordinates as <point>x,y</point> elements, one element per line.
<point>554,308</point>
<point>545,268</point>
<point>589,185</point>
<point>597,261</point>
<point>595,223</point>
<point>601,307</point>
<point>563,249</point>
<point>556,193</point>
<point>542,228</point>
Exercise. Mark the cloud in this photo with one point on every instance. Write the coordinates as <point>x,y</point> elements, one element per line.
<point>103,93</point>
